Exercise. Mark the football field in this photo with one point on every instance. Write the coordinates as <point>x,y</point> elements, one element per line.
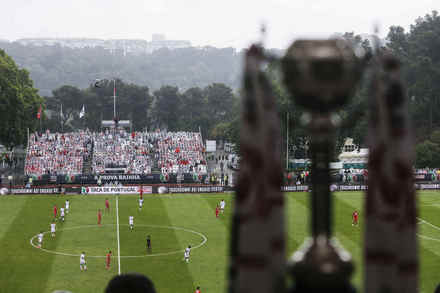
<point>173,222</point>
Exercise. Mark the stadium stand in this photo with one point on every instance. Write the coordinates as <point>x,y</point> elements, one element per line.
<point>131,154</point>
<point>181,152</point>
<point>55,153</point>
<point>106,152</point>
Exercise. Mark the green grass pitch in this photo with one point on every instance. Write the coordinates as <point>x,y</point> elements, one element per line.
<point>174,222</point>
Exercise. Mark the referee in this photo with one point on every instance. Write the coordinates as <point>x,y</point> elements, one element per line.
<point>148,243</point>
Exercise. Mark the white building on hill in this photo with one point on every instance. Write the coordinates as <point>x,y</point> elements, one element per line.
<point>135,46</point>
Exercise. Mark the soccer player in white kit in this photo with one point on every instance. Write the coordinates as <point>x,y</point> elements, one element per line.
<point>62,214</point>
<point>141,202</point>
<point>67,206</point>
<point>40,239</point>
<point>130,222</point>
<point>52,229</point>
<point>187,253</point>
<point>222,206</point>
<point>82,261</point>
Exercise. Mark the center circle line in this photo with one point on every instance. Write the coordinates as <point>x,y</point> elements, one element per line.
<point>205,239</point>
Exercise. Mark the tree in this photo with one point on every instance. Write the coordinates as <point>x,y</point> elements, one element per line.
<point>132,103</point>
<point>71,99</point>
<point>220,99</point>
<point>166,108</point>
<point>419,51</point>
<point>435,136</point>
<point>19,103</point>
<point>194,110</point>
<point>427,155</point>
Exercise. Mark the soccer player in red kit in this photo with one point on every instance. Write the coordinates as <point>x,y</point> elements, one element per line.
<point>55,211</point>
<point>198,290</point>
<point>107,259</point>
<point>217,210</point>
<point>355,218</point>
<point>140,191</point>
<point>107,205</point>
<point>99,216</point>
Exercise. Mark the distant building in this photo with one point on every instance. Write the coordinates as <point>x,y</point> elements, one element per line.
<point>133,46</point>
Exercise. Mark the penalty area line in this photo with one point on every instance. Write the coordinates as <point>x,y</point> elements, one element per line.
<point>117,232</point>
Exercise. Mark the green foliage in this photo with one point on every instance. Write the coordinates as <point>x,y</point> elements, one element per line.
<point>419,52</point>
<point>166,108</point>
<point>193,112</point>
<point>220,100</point>
<point>232,133</point>
<point>19,103</point>
<point>220,131</point>
<point>208,109</point>
<point>132,103</point>
<point>427,155</point>
<point>435,136</point>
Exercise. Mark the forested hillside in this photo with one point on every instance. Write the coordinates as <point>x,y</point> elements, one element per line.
<point>53,66</point>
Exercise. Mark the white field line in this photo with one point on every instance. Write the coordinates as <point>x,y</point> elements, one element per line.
<point>428,238</point>
<point>426,222</point>
<point>205,239</point>
<point>421,221</point>
<point>117,232</point>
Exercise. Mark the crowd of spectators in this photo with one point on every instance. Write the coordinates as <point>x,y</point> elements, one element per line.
<point>353,176</point>
<point>180,152</point>
<point>428,174</point>
<point>131,153</point>
<point>342,176</point>
<point>56,154</point>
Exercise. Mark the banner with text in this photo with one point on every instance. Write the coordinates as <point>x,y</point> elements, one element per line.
<point>191,189</point>
<point>51,190</point>
<point>116,190</point>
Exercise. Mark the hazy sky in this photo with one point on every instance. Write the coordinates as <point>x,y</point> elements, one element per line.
<point>219,23</point>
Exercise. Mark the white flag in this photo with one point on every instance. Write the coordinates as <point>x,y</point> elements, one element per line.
<point>82,113</point>
<point>61,112</point>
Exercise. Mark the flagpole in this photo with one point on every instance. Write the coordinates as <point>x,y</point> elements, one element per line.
<point>61,118</point>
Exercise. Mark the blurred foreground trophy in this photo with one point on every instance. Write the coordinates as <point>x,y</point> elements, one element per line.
<point>321,75</point>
